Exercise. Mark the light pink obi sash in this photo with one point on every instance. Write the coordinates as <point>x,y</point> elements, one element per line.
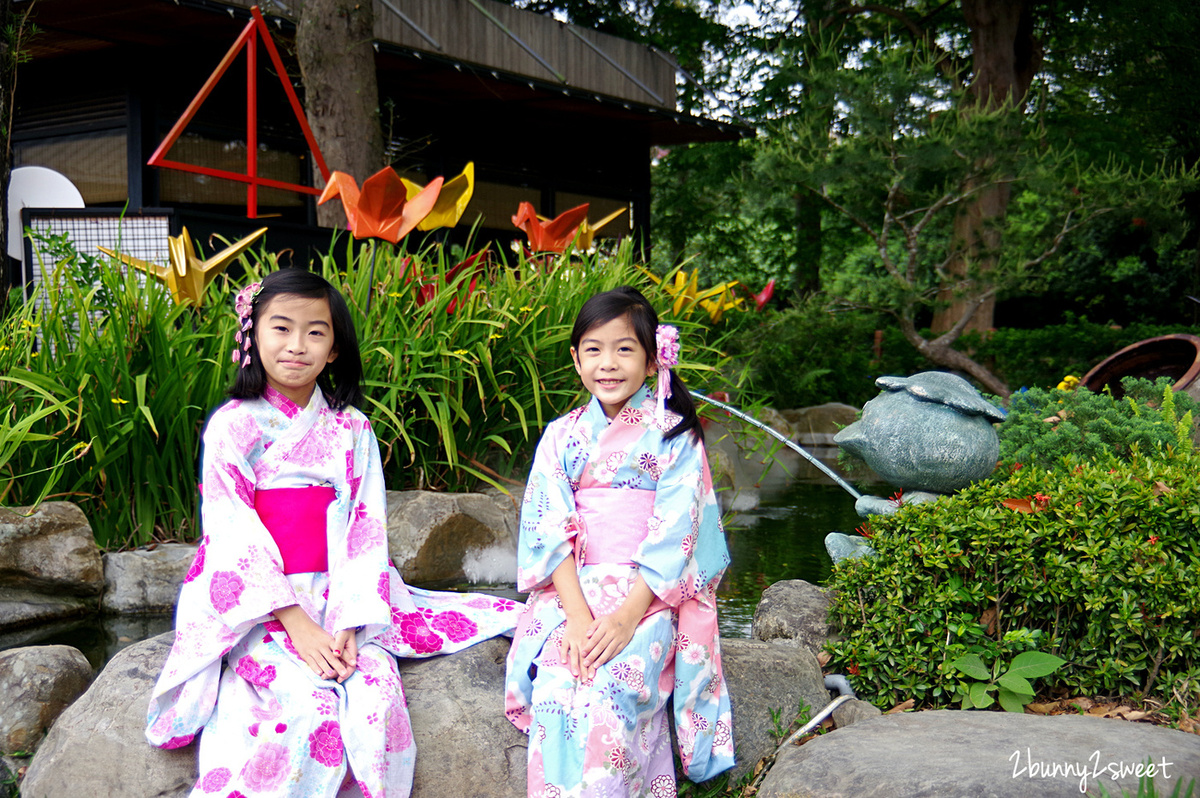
<point>615,524</point>
<point>295,517</point>
<point>615,520</point>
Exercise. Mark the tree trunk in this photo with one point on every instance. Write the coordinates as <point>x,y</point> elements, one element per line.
<point>335,47</point>
<point>940,351</point>
<point>1005,58</point>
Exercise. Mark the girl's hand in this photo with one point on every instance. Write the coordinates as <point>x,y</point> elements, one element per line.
<point>345,645</point>
<point>314,645</point>
<point>607,637</point>
<point>609,634</point>
<point>571,650</point>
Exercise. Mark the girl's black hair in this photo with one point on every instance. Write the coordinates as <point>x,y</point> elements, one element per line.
<point>628,301</point>
<point>341,380</point>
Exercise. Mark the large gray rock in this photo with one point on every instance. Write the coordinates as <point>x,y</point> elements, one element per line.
<point>795,611</point>
<point>98,747</point>
<point>431,535</point>
<point>458,721</point>
<point>996,754</point>
<point>816,425</point>
<point>456,705</point>
<point>37,683</point>
<point>931,431</point>
<point>146,580</point>
<point>50,565</point>
<point>765,678</point>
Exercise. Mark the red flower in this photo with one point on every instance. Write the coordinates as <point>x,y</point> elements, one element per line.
<point>1153,539</point>
<point>852,669</point>
<point>764,296</point>
<point>865,530</point>
<point>897,498</point>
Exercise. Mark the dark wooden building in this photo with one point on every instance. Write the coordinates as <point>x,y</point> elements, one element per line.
<point>550,113</point>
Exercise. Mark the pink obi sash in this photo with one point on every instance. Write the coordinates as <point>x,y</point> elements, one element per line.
<point>295,517</point>
<point>615,520</point>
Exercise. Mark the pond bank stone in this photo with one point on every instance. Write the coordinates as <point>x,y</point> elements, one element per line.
<point>37,684</point>
<point>431,534</point>
<point>793,610</point>
<point>997,754</point>
<point>146,580</point>
<point>50,566</point>
<point>456,705</point>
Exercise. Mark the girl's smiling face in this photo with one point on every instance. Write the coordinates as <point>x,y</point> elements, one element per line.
<point>612,363</point>
<point>294,338</point>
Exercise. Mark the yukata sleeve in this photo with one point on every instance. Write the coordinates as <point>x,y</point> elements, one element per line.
<point>242,580</point>
<point>684,548</point>
<point>236,580</point>
<point>359,575</point>
<point>549,521</point>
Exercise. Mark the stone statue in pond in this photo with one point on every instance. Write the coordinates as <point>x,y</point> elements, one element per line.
<point>929,434</point>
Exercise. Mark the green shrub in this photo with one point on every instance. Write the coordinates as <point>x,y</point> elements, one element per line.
<point>1095,563</point>
<point>809,355</point>
<point>1043,426</point>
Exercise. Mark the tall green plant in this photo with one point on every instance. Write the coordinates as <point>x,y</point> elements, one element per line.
<point>142,372</point>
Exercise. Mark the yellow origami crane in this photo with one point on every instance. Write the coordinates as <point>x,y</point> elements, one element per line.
<point>451,202</point>
<point>188,276</point>
<point>688,296</point>
<point>587,230</point>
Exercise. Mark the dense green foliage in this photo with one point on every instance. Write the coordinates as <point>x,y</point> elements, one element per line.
<point>1044,426</point>
<point>1094,562</point>
<point>811,353</point>
<point>459,381</point>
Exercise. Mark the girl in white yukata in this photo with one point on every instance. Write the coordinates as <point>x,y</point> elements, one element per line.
<point>621,548</point>
<point>291,585</point>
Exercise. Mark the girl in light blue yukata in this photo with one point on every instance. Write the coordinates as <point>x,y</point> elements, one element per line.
<point>621,549</point>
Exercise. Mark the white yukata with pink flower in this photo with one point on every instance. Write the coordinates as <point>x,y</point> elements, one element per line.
<point>594,480</point>
<point>271,726</point>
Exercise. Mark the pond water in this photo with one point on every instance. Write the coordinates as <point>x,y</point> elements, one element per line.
<point>782,539</point>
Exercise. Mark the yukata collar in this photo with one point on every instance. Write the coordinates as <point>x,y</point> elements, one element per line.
<point>637,401</point>
<point>286,405</point>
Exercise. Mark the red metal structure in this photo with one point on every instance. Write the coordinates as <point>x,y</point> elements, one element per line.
<point>248,41</point>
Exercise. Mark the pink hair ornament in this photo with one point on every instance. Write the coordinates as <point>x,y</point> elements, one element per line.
<point>667,357</point>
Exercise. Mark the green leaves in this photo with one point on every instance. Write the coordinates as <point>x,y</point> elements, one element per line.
<point>1094,593</point>
<point>1013,688</point>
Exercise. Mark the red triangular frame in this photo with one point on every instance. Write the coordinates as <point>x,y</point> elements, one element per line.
<point>248,41</point>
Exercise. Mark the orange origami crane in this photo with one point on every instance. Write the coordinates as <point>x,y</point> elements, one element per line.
<point>451,201</point>
<point>554,235</point>
<point>382,209</point>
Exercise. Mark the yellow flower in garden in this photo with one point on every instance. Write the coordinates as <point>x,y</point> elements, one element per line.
<point>494,336</point>
<point>1069,383</point>
<point>395,294</point>
<point>525,309</point>
<point>116,400</point>
<point>460,352</point>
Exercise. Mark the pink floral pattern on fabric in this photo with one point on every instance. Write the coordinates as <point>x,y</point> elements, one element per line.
<point>267,768</point>
<point>416,632</point>
<point>224,590</point>
<point>254,673</point>
<point>178,742</point>
<point>242,486</point>
<point>325,744</point>
<point>455,626</point>
<point>215,779</point>
<point>399,732</point>
<point>383,588</point>
<point>197,566</point>
<point>364,531</point>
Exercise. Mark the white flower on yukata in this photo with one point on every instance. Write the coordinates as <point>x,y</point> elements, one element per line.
<point>637,663</point>
<point>695,654</point>
<point>656,651</point>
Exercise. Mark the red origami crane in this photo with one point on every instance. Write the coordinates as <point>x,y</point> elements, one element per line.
<point>551,236</point>
<point>381,209</point>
